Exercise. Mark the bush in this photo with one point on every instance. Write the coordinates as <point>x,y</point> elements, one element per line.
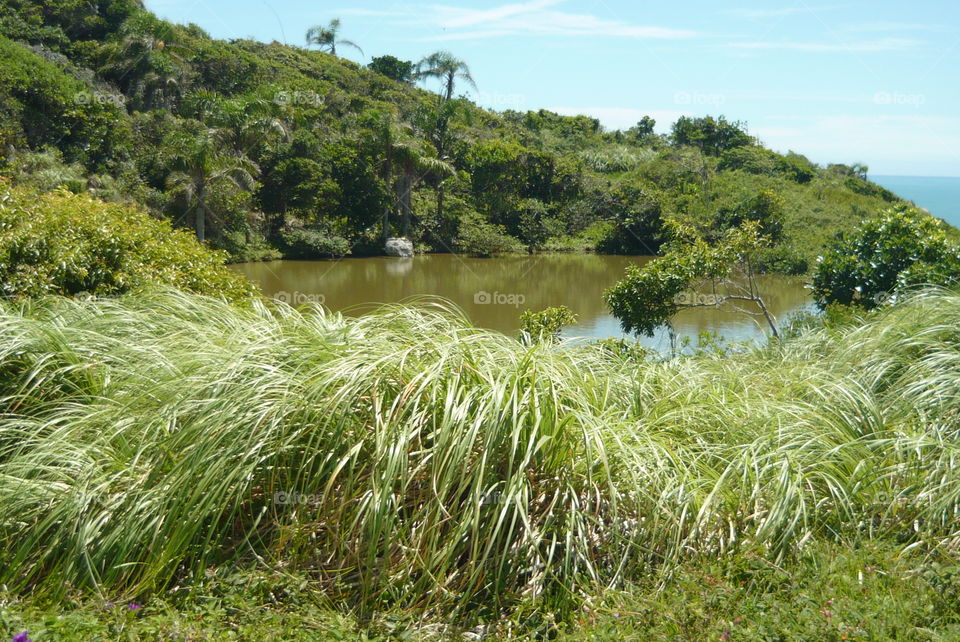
<point>312,243</point>
<point>480,238</point>
<point>61,243</point>
<point>545,325</point>
<point>900,248</point>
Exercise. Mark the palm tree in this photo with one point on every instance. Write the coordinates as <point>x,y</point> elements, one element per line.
<point>448,68</point>
<point>326,37</point>
<point>405,162</point>
<point>201,167</point>
<point>149,69</point>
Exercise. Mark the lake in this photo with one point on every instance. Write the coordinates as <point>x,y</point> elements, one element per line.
<point>493,292</point>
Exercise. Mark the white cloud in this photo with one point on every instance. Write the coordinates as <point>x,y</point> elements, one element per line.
<point>891,26</point>
<point>883,44</point>
<point>890,144</point>
<point>367,12</point>
<point>759,14</point>
<point>458,17</point>
<point>536,18</point>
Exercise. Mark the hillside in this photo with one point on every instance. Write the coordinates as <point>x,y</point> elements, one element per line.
<point>268,148</point>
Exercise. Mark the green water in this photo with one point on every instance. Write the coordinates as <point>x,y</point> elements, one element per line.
<point>493,292</point>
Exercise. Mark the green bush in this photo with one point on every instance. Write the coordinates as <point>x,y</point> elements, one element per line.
<point>480,238</point>
<point>900,248</point>
<point>61,243</point>
<point>310,243</point>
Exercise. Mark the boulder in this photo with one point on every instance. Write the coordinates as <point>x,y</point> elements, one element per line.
<point>399,247</point>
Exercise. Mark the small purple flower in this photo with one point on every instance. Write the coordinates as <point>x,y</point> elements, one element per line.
<point>133,606</point>
<point>21,637</point>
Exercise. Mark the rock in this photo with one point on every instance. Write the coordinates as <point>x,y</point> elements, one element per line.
<point>399,247</point>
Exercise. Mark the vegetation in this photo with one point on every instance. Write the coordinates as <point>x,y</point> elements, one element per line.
<point>62,243</point>
<point>693,273</point>
<point>545,325</point>
<point>149,439</point>
<point>889,253</point>
<point>249,144</point>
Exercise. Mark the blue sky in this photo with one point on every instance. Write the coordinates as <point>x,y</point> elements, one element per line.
<point>873,82</point>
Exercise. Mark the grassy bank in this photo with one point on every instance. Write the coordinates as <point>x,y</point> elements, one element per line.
<point>406,462</point>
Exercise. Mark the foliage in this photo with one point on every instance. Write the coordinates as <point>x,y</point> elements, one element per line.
<point>889,253</point>
<point>393,68</point>
<point>649,296</point>
<point>523,478</point>
<point>60,243</point>
<point>545,325</point>
<point>480,238</point>
<point>712,135</point>
<point>116,91</point>
<point>306,243</point>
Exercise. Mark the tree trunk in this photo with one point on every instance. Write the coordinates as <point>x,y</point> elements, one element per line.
<point>200,220</point>
<point>440,202</point>
<point>406,186</point>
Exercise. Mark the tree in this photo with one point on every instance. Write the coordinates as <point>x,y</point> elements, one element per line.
<point>200,167</point>
<point>146,64</point>
<point>649,296</point>
<point>900,248</point>
<point>766,209</point>
<point>546,325</point>
<point>394,68</point>
<point>643,129</point>
<point>712,135</point>
<point>446,67</point>
<point>327,38</point>
<point>404,162</point>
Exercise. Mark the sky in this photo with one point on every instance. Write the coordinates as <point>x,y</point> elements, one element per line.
<point>873,82</point>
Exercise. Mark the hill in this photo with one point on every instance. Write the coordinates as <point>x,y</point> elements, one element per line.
<point>268,148</point>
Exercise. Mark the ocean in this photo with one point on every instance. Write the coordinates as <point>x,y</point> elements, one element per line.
<point>938,194</point>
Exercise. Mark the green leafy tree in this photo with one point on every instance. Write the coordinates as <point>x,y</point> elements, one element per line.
<point>692,273</point>
<point>766,209</point>
<point>327,38</point>
<point>392,67</point>
<point>147,64</point>
<point>201,167</point>
<point>712,135</point>
<point>900,248</point>
<point>545,325</point>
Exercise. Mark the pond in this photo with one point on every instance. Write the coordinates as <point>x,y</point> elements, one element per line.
<point>493,292</point>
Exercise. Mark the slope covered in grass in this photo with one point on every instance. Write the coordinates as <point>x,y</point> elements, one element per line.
<point>406,459</point>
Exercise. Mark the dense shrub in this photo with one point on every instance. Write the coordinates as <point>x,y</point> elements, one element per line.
<point>900,248</point>
<point>61,243</point>
<point>311,243</point>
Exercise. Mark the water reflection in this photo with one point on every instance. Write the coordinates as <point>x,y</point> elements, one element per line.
<point>493,292</point>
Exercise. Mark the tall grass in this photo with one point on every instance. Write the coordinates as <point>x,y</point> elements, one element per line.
<point>406,458</point>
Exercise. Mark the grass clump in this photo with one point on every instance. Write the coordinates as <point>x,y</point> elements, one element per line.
<point>408,461</point>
